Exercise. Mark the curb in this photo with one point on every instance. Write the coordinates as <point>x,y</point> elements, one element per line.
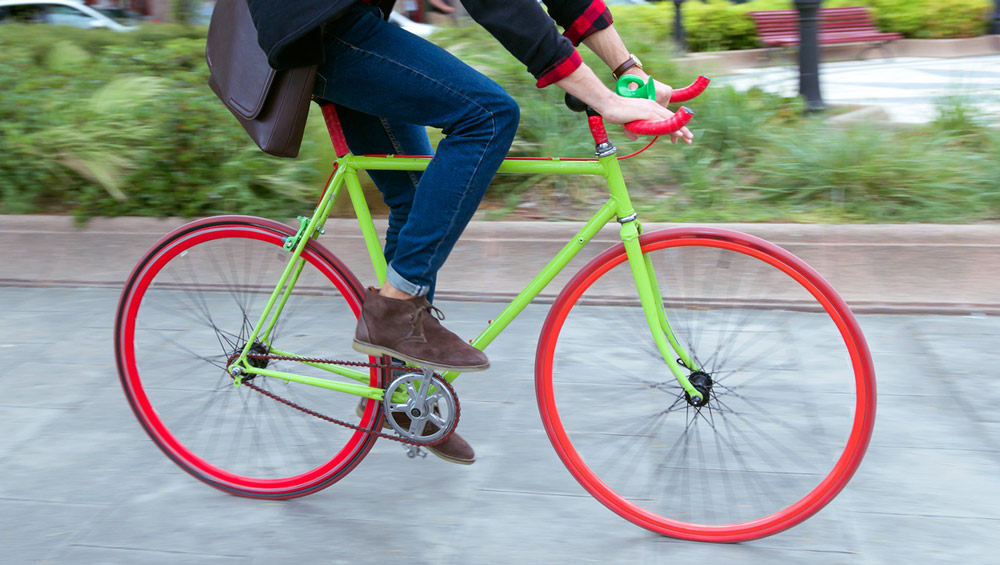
<point>876,268</point>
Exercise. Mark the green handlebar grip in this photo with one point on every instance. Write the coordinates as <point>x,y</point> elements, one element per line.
<point>642,90</point>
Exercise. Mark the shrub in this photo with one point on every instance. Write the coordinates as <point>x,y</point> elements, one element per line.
<point>94,122</point>
<point>97,123</point>
<point>929,19</point>
<point>862,172</point>
<point>720,25</point>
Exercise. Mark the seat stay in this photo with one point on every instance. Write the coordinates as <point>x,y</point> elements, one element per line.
<point>296,244</point>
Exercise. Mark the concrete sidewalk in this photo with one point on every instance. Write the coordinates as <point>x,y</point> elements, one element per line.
<point>81,483</point>
<point>901,90</point>
<point>877,268</point>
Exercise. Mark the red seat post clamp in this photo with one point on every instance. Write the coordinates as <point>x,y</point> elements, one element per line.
<point>336,131</point>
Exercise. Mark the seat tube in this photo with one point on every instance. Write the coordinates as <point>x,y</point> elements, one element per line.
<point>368,232</point>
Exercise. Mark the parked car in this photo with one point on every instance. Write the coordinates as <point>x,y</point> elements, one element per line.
<point>120,15</point>
<point>57,12</point>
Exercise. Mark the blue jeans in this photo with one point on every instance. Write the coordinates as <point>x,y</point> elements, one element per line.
<point>388,84</point>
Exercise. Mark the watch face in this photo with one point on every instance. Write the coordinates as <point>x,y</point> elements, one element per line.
<point>638,63</point>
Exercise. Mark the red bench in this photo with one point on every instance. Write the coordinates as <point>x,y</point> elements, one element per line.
<point>852,24</point>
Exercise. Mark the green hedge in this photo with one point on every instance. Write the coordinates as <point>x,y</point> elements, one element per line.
<point>720,25</point>
<point>97,123</point>
<point>100,123</point>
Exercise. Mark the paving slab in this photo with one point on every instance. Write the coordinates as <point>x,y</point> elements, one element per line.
<point>80,482</point>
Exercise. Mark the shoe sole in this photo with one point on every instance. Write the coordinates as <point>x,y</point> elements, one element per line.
<point>360,411</point>
<point>376,350</point>
<point>448,459</point>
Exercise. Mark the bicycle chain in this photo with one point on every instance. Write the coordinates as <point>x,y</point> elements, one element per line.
<point>324,417</point>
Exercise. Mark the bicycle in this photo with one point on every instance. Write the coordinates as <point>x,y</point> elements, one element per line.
<point>732,397</point>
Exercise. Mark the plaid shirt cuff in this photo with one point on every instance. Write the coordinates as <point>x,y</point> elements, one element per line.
<point>593,19</point>
<point>560,70</point>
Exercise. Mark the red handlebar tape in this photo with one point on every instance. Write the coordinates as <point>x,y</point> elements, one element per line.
<point>680,119</point>
<point>692,90</point>
<point>661,127</point>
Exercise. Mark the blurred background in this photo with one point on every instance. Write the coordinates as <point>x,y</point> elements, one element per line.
<point>892,192</point>
<point>114,117</point>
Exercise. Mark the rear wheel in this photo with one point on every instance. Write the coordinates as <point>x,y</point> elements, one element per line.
<point>787,374</point>
<point>189,306</point>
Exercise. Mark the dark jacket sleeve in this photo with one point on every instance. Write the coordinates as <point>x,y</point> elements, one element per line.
<point>290,32</point>
<point>579,18</point>
<point>528,33</point>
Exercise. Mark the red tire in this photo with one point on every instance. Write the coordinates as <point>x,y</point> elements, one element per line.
<point>790,382</point>
<point>190,304</point>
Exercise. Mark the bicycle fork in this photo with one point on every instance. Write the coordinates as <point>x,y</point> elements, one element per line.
<point>678,360</point>
<point>675,356</point>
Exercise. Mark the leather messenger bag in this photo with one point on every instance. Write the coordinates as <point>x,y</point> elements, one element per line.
<point>272,106</point>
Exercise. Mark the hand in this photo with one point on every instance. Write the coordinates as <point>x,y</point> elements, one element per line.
<point>621,110</point>
<point>608,45</point>
<point>585,85</point>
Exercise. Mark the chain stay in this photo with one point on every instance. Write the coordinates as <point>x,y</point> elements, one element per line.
<point>382,366</point>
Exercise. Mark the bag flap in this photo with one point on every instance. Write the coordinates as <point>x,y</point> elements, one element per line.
<point>240,75</point>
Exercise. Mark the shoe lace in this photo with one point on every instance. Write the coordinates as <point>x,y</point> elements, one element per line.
<point>430,309</point>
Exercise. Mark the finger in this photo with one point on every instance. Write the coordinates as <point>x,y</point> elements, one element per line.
<point>664,98</point>
<point>663,93</point>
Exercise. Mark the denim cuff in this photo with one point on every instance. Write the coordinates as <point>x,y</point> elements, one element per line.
<point>404,285</point>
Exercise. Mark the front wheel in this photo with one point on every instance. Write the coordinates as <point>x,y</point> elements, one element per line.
<point>188,308</point>
<point>787,372</point>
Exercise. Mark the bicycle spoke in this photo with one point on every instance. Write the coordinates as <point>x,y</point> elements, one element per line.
<point>777,375</point>
<point>194,307</point>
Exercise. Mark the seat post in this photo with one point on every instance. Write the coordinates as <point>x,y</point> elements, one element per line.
<point>335,129</point>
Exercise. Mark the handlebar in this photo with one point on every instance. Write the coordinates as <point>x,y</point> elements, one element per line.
<point>678,120</point>
<point>656,127</point>
<point>690,91</point>
<point>661,127</point>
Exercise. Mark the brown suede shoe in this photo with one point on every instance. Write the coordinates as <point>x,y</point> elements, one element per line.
<point>454,449</point>
<point>409,330</point>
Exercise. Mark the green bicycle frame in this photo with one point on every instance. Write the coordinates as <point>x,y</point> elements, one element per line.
<point>346,168</point>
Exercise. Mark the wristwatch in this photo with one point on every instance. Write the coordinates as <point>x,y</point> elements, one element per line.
<point>632,61</point>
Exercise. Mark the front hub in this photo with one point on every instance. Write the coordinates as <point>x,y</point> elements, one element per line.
<point>702,382</point>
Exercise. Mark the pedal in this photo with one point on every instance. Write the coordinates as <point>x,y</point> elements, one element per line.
<point>425,408</point>
<point>414,451</point>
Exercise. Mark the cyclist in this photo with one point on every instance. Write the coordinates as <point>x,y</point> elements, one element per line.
<point>389,84</point>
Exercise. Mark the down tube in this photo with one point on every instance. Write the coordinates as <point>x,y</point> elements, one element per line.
<point>553,268</point>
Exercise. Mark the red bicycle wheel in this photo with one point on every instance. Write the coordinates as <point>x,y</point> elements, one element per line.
<point>789,379</point>
<point>188,306</point>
